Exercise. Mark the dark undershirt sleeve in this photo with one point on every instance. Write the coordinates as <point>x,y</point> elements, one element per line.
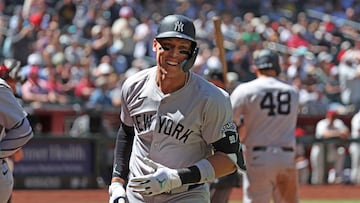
<point>122,152</point>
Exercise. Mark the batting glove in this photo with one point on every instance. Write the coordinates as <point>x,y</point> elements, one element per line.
<point>117,193</point>
<point>162,180</point>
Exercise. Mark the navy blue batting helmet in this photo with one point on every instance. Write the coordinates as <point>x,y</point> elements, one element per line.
<point>267,59</point>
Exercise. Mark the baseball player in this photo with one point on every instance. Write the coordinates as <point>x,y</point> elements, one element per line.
<point>265,110</point>
<point>15,127</point>
<point>177,132</point>
<point>354,149</point>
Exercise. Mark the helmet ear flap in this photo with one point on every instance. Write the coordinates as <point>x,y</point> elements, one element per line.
<point>188,63</point>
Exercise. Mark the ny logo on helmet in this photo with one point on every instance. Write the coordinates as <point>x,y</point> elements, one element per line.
<point>179,26</point>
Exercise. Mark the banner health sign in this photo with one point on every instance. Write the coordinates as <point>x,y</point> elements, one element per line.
<point>56,163</point>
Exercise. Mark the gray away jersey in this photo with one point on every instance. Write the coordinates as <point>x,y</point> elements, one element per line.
<point>269,108</point>
<point>15,128</point>
<point>11,111</point>
<point>175,129</point>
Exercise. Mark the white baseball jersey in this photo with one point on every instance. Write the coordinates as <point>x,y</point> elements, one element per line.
<point>176,129</point>
<point>269,107</point>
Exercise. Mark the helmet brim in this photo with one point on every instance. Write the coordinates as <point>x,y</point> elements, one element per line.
<point>173,34</point>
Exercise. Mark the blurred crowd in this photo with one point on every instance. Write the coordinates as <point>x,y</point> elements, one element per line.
<point>80,51</point>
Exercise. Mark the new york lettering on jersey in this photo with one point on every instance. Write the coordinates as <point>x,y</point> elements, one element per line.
<point>166,126</point>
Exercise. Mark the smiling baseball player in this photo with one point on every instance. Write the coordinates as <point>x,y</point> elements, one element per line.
<point>265,109</point>
<point>15,127</point>
<point>177,132</point>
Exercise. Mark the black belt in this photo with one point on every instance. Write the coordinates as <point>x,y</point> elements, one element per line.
<point>264,148</point>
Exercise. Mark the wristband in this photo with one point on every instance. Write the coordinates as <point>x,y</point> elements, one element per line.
<point>207,171</point>
<point>189,175</point>
<point>201,172</point>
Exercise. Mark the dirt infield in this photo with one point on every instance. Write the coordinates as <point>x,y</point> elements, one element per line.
<point>101,195</point>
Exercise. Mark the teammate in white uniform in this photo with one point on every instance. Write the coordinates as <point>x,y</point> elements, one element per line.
<point>15,129</point>
<point>354,149</point>
<point>265,110</point>
<point>177,132</point>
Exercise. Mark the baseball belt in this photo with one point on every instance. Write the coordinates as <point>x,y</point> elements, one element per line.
<point>264,148</point>
<point>184,188</point>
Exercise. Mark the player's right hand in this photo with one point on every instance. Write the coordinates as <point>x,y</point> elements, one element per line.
<point>162,180</point>
<point>117,193</point>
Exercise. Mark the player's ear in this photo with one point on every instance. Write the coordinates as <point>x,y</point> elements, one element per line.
<point>253,69</point>
<point>155,42</point>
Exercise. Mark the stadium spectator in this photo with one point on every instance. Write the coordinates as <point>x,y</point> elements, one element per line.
<point>296,39</point>
<point>326,74</point>
<point>331,127</point>
<point>349,79</point>
<point>56,90</point>
<point>101,95</point>
<point>35,90</point>
<point>84,88</point>
<point>143,35</point>
<point>123,30</point>
<point>66,11</point>
<point>100,42</point>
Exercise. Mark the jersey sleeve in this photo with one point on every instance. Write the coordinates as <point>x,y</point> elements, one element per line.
<point>125,114</point>
<point>11,111</point>
<point>217,117</point>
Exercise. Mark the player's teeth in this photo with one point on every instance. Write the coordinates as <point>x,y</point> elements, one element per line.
<point>172,63</point>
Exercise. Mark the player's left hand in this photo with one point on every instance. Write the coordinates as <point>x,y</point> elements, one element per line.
<point>117,193</point>
<point>162,180</point>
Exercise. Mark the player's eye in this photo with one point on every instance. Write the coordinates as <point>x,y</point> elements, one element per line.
<point>186,52</point>
<point>180,49</point>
